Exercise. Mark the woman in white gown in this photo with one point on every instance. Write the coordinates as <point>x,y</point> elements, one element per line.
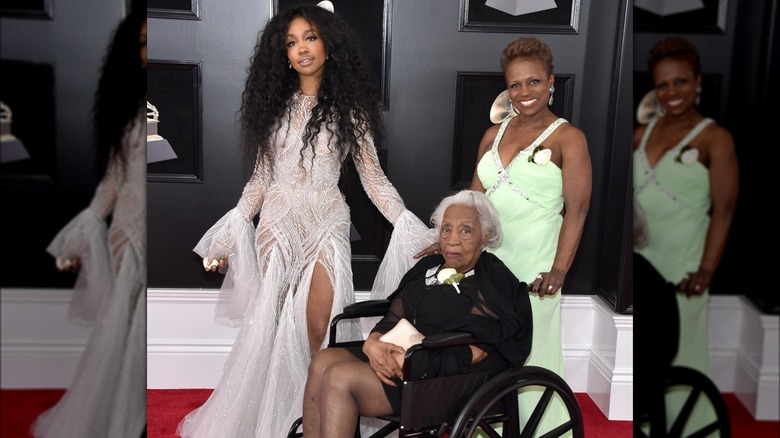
<point>107,397</point>
<point>308,106</point>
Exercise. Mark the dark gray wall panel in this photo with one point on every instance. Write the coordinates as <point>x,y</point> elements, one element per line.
<point>426,52</point>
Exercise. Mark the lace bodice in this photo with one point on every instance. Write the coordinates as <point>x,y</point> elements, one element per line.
<point>308,185</point>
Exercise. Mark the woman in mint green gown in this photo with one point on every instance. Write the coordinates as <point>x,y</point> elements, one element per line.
<point>535,168</point>
<point>685,192</point>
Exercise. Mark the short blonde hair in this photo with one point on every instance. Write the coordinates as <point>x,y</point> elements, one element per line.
<point>488,215</point>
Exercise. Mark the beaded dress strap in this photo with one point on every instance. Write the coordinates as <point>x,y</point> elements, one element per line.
<point>503,172</point>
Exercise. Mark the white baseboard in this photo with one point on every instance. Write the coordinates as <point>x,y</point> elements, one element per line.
<point>186,349</point>
<point>610,377</point>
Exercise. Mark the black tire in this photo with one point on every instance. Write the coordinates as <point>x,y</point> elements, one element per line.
<point>699,385</point>
<point>293,433</point>
<point>508,382</point>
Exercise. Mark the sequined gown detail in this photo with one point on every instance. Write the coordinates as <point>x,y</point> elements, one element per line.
<point>303,221</point>
<point>107,397</point>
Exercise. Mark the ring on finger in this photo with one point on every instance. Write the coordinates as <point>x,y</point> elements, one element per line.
<point>549,287</point>
<point>539,276</point>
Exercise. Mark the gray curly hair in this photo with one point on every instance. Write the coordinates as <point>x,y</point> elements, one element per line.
<point>488,215</point>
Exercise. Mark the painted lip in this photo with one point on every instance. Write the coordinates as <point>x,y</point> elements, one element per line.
<point>306,61</point>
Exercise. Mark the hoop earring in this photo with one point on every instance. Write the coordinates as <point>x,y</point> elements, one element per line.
<point>552,90</point>
<point>698,95</point>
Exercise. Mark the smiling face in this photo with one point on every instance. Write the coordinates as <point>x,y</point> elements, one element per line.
<point>529,85</point>
<point>675,85</point>
<point>305,49</point>
<point>460,237</point>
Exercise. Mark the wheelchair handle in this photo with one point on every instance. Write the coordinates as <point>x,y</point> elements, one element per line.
<point>367,308</point>
<point>362,309</point>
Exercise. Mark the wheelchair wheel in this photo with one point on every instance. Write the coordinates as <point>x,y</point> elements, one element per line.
<point>502,388</point>
<point>293,433</point>
<point>699,389</point>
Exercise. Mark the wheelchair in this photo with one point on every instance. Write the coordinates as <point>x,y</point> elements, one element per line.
<point>656,377</point>
<point>459,406</point>
<point>650,421</point>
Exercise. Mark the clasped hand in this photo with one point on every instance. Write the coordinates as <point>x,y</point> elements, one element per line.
<point>70,264</point>
<point>217,263</point>
<point>385,359</point>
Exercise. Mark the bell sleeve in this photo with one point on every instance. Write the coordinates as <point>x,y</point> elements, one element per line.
<point>85,238</point>
<point>233,236</point>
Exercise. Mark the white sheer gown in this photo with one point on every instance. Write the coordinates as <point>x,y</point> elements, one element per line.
<point>304,220</point>
<point>107,397</point>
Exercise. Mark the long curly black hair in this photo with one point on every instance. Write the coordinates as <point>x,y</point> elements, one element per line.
<point>121,91</point>
<point>346,96</point>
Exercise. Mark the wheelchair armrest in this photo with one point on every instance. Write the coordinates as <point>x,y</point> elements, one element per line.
<point>362,309</point>
<point>441,340</point>
<point>434,342</point>
<point>367,308</point>
<point>449,339</point>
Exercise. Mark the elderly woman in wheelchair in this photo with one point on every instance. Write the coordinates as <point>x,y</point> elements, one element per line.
<point>461,289</point>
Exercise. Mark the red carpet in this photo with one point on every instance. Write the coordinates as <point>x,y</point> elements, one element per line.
<point>166,407</point>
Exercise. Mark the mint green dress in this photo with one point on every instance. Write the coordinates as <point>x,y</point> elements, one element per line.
<point>529,200</point>
<point>675,199</point>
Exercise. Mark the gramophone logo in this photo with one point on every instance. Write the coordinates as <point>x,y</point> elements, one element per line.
<point>157,147</point>
<point>11,148</point>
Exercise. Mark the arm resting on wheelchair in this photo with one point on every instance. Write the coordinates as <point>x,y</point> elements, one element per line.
<point>448,339</point>
<point>437,342</point>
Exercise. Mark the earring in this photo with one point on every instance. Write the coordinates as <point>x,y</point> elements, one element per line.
<point>289,65</point>
<point>659,110</point>
<point>698,95</point>
<point>326,56</point>
<point>552,90</point>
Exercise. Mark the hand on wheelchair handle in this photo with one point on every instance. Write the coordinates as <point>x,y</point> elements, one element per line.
<point>695,283</point>
<point>547,283</point>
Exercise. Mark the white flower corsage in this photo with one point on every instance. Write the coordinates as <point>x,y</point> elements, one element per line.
<point>540,155</point>
<point>450,276</point>
<point>688,155</point>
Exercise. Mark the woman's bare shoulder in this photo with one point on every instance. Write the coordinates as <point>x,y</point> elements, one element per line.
<point>487,138</point>
<point>568,134</point>
<point>717,137</point>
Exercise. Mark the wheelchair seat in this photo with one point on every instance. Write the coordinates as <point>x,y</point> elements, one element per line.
<point>457,406</point>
